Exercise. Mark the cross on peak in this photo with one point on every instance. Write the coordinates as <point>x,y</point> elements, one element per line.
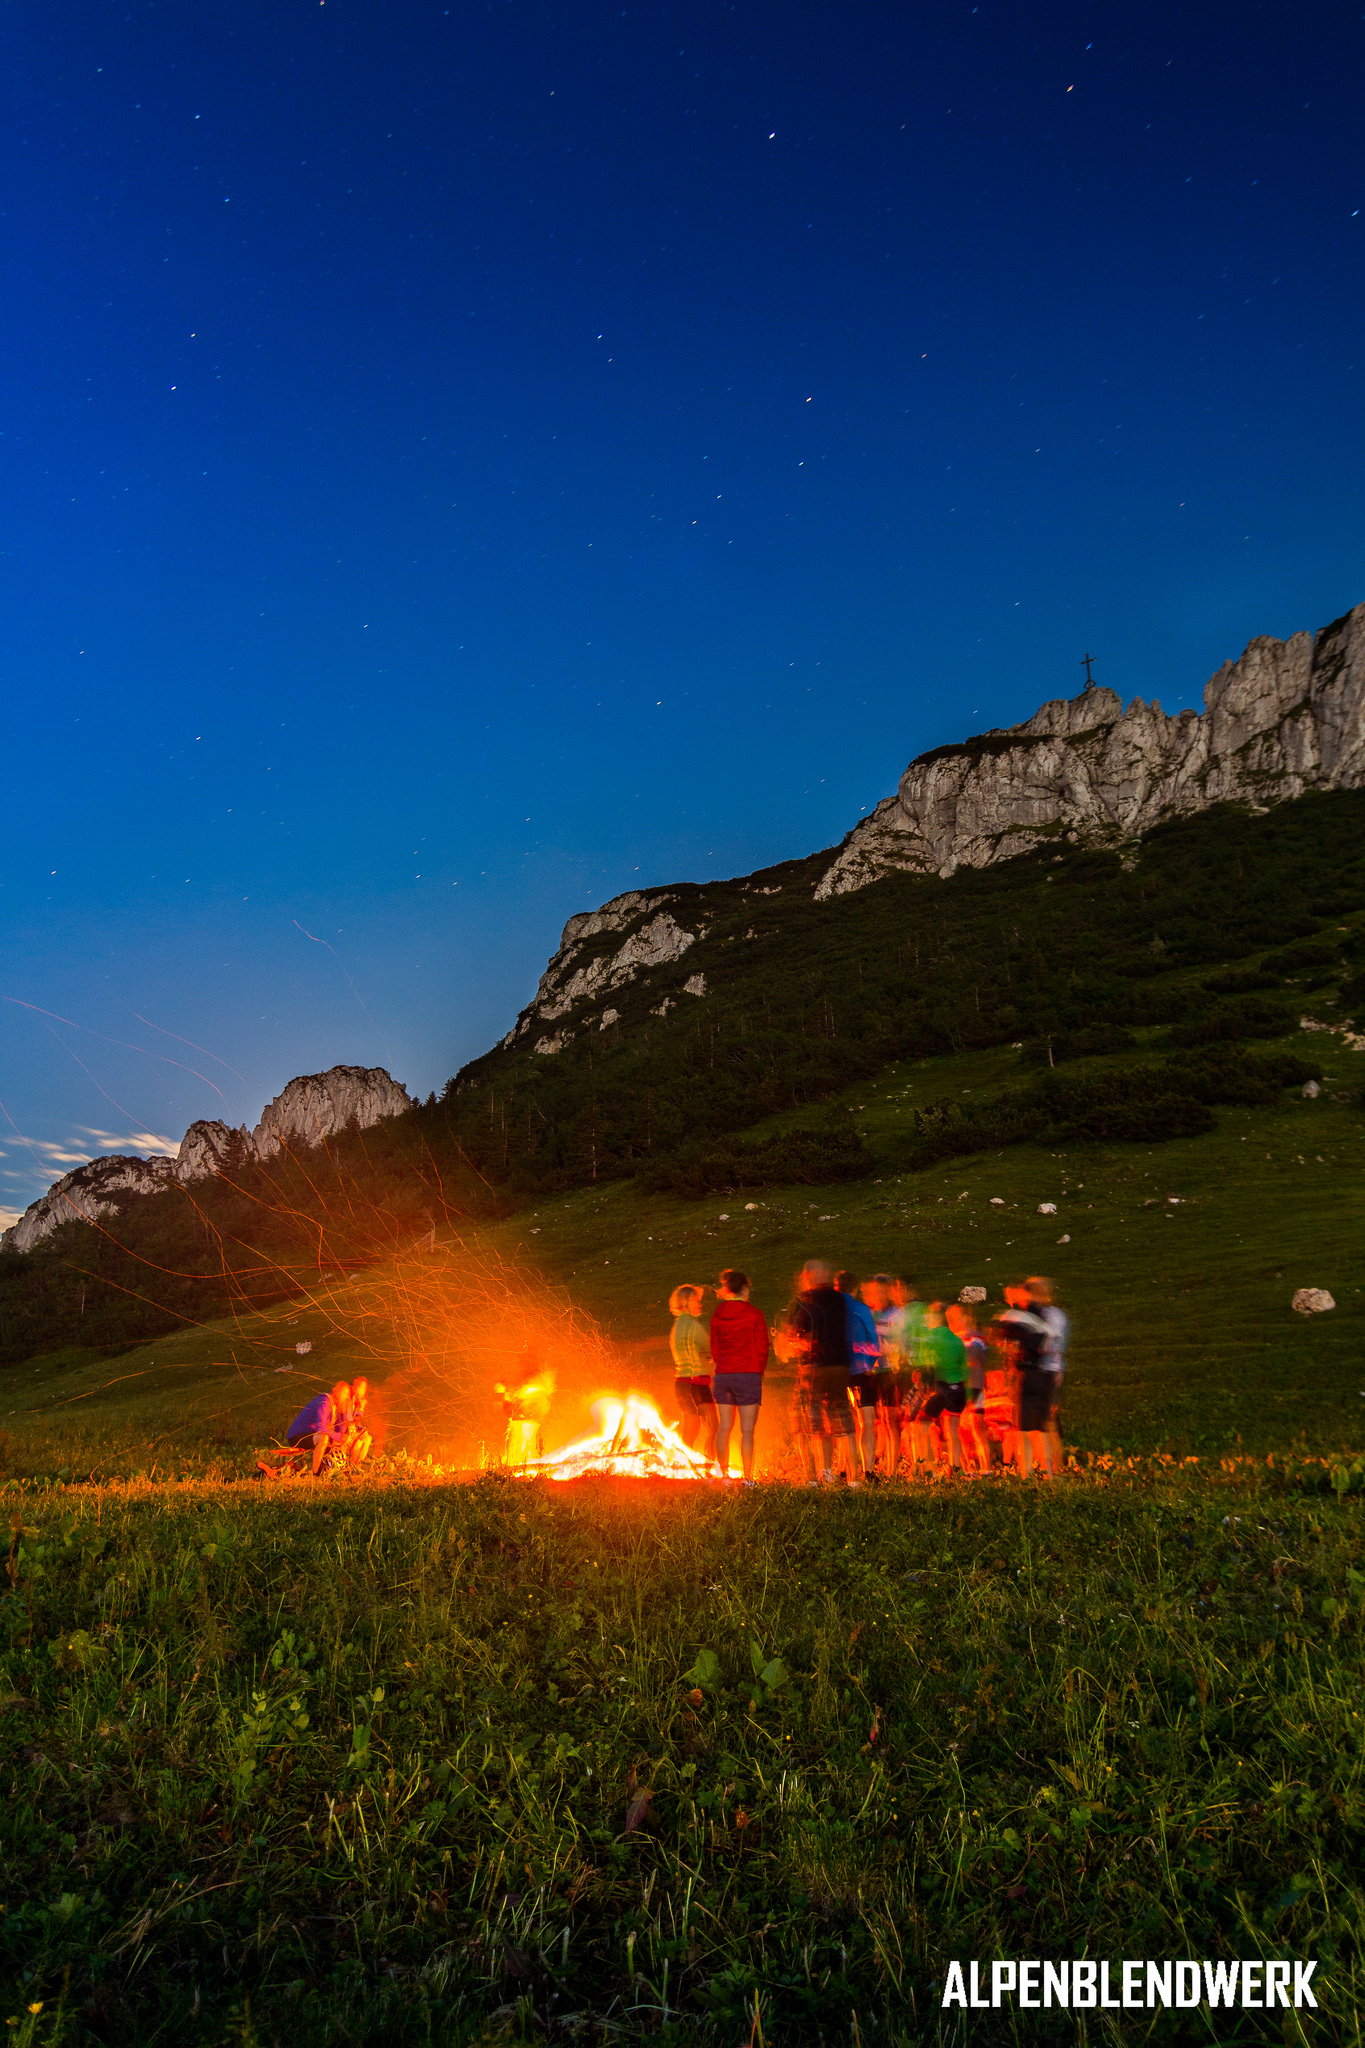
<point>1085,664</point>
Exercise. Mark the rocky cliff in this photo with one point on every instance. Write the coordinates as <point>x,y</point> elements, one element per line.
<point>311,1108</point>
<point>602,950</point>
<point>1287,718</point>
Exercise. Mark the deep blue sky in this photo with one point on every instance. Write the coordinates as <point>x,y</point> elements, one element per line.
<point>457,464</point>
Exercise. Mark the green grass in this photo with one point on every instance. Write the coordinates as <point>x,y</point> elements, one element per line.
<point>360,1764</point>
<point>354,1762</point>
<point>1183,1335</point>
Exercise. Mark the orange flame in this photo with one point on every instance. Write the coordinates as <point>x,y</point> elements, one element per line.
<point>633,1442</point>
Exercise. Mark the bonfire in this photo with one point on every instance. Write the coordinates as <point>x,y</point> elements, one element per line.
<point>634,1442</point>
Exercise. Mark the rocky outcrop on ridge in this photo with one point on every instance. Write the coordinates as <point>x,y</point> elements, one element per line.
<point>318,1106</point>
<point>310,1109</point>
<point>87,1192</point>
<point>1287,718</point>
<point>591,963</point>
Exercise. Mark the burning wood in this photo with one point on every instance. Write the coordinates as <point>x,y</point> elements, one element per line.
<point>634,1442</point>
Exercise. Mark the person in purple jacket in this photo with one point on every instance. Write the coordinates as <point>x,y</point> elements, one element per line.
<point>322,1424</point>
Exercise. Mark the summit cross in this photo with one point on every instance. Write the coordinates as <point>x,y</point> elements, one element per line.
<point>1085,664</point>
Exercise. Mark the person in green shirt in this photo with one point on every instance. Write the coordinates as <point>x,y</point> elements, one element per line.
<point>944,1353</point>
<point>690,1344</point>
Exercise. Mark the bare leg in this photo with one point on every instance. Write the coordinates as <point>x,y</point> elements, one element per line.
<point>869,1420</point>
<point>708,1432</point>
<point>748,1416</point>
<point>725,1422</point>
<point>950,1422</point>
<point>689,1422</point>
<point>1042,1452</point>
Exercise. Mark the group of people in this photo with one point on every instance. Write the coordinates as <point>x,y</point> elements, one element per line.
<point>883,1379</point>
<point>333,1428</point>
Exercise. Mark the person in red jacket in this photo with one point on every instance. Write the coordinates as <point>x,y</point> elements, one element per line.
<point>739,1356</point>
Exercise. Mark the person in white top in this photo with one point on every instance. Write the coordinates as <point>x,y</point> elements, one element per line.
<point>1054,1358</point>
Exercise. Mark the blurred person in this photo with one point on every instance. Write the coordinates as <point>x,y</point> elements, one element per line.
<point>816,1335</point>
<point>948,1355</point>
<point>962,1323</point>
<point>885,1297</point>
<point>1023,1336</point>
<point>321,1425</point>
<point>864,1360</point>
<point>525,1408</point>
<point>739,1359</point>
<point>359,1439</point>
<point>691,1348</point>
<point>1044,1294</point>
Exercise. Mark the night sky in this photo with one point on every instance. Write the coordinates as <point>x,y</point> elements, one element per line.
<point>457,464</point>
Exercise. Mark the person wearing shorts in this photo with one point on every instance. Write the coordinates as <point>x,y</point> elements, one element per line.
<point>962,1323</point>
<point>894,1337</point>
<point>691,1350</point>
<point>865,1357</point>
<point>1023,1336</point>
<point>739,1358</point>
<point>948,1356</point>
<point>816,1330</point>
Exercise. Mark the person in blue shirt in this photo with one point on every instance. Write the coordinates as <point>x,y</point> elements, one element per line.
<point>865,1357</point>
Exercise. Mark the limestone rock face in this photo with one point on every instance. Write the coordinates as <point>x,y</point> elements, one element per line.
<point>207,1148</point>
<point>318,1106</point>
<point>1287,718</point>
<point>86,1193</point>
<point>584,969</point>
<point>314,1107</point>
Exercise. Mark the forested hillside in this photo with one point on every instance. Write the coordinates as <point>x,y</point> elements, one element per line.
<point>1142,991</point>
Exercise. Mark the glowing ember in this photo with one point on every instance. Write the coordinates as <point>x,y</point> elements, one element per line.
<point>634,1443</point>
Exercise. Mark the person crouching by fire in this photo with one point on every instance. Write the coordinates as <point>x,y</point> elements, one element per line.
<point>526,1407</point>
<point>322,1425</point>
<point>358,1441</point>
<point>691,1348</point>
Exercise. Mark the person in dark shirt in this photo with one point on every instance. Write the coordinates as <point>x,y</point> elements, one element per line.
<point>739,1358</point>
<point>816,1330</point>
<point>1023,1335</point>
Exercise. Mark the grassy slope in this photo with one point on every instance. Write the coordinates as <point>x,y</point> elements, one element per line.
<point>1182,1328</point>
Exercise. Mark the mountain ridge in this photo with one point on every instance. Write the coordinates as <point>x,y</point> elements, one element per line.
<point>308,1110</point>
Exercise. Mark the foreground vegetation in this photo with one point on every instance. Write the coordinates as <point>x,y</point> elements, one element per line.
<point>355,1762</point>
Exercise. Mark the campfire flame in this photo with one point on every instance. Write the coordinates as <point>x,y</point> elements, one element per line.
<point>634,1442</point>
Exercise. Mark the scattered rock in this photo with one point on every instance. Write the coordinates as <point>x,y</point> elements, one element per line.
<point>997,1201</point>
<point>1312,1301</point>
<point>1311,1091</point>
<point>304,1348</point>
<point>751,1205</point>
<point>1047,1208</point>
<point>1065,1237</point>
<point>695,985</point>
<point>972,1294</point>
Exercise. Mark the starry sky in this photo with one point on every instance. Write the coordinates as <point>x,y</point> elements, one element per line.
<point>458,463</point>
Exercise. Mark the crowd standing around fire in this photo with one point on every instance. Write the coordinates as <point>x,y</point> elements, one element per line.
<point>885,1382</point>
